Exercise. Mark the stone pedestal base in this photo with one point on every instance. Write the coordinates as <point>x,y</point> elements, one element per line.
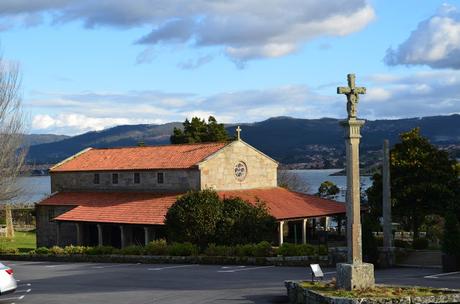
<point>387,257</point>
<point>355,276</point>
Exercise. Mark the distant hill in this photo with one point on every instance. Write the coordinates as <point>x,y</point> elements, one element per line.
<point>36,139</point>
<point>120,136</point>
<point>307,143</point>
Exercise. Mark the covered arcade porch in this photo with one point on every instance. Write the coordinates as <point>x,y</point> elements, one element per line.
<point>110,234</point>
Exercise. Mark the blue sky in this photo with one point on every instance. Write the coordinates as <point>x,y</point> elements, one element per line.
<point>88,65</point>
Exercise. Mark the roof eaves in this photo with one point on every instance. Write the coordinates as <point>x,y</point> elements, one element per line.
<point>69,158</point>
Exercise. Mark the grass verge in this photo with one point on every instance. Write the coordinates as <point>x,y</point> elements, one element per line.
<point>328,289</point>
<point>24,241</point>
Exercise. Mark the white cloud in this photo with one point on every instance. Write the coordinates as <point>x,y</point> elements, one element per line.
<point>435,42</point>
<point>243,29</point>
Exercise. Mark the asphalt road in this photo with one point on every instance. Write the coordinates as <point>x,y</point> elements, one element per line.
<point>46,282</point>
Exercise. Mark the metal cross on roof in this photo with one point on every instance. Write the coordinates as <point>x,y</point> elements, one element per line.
<point>238,132</point>
<point>352,92</point>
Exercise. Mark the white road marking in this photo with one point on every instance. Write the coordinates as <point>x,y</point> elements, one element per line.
<point>244,269</point>
<point>331,272</point>
<point>14,298</point>
<point>23,290</point>
<point>170,267</point>
<point>435,276</point>
<point>21,297</point>
<point>53,266</point>
<point>110,266</point>
<point>227,267</point>
<point>21,285</point>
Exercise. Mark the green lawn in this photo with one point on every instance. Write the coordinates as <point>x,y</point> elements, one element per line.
<point>23,241</point>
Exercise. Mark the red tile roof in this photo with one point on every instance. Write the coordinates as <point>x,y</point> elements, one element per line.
<point>285,204</point>
<point>151,208</point>
<point>113,207</point>
<point>139,158</point>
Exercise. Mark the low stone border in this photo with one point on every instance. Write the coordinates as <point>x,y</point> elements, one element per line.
<point>299,295</point>
<point>150,259</point>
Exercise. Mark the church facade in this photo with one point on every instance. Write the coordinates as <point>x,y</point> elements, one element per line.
<point>120,196</point>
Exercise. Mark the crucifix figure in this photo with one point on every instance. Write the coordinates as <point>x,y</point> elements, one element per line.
<point>238,133</point>
<point>352,92</point>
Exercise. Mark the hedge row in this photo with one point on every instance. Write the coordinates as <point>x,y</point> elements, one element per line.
<point>162,248</point>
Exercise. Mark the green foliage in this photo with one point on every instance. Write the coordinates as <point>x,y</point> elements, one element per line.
<point>402,244</point>
<point>424,180</point>
<point>157,247</point>
<point>451,241</point>
<point>56,250</point>
<point>75,249</point>
<point>203,218</point>
<point>42,250</point>
<point>183,249</point>
<point>197,131</point>
<point>100,250</point>
<point>328,189</point>
<point>132,250</point>
<point>262,249</point>
<point>194,218</point>
<point>420,243</point>
<point>12,251</point>
<point>243,223</point>
<point>219,250</point>
<point>288,249</point>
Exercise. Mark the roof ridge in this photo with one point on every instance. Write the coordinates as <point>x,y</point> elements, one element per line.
<point>166,145</point>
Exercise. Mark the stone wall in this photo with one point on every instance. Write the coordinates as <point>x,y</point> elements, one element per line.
<point>174,181</point>
<point>218,172</point>
<point>47,229</point>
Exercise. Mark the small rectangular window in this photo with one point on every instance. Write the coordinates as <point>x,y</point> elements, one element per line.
<point>160,177</point>
<point>137,178</point>
<point>114,178</point>
<point>96,179</point>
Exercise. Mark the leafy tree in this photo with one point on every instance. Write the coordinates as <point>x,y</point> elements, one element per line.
<point>424,180</point>
<point>328,189</point>
<point>194,217</point>
<point>201,217</point>
<point>243,223</point>
<point>198,130</point>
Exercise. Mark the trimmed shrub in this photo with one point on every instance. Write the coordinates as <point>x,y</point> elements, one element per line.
<point>262,249</point>
<point>288,249</point>
<point>100,250</point>
<point>451,239</point>
<point>322,250</point>
<point>215,250</point>
<point>157,247</point>
<point>42,250</point>
<point>246,250</point>
<point>132,250</point>
<point>56,250</point>
<point>182,249</point>
<point>75,249</point>
<point>421,243</point>
<point>12,251</point>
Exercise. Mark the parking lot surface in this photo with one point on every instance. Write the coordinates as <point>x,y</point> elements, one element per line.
<point>46,282</point>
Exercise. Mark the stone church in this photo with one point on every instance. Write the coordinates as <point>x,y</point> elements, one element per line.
<point>120,196</point>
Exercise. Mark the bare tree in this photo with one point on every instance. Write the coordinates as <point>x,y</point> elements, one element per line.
<point>289,180</point>
<point>12,125</point>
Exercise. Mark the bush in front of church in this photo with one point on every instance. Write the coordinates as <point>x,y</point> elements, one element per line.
<point>194,218</point>
<point>201,217</point>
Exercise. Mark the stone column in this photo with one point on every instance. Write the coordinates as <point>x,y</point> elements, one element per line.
<point>58,233</point>
<point>147,235</point>
<point>387,231</point>
<point>281,227</point>
<point>354,274</point>
<point>79,228</point>
<point>304,231</point>
<point>100,241</point>
<point>122,236</point>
